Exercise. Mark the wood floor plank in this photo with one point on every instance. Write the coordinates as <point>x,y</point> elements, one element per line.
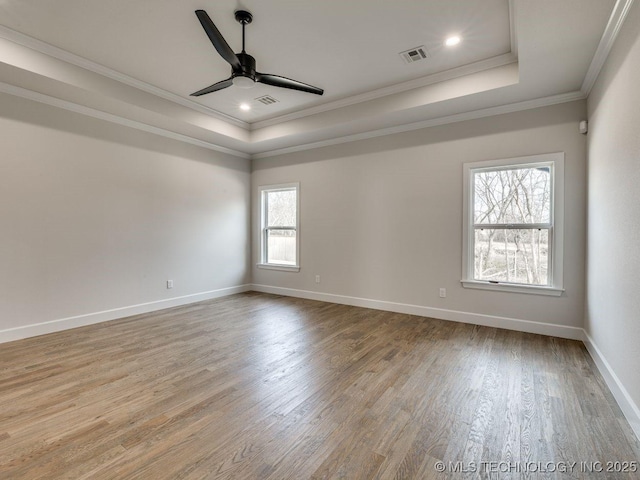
<point>267,387</point>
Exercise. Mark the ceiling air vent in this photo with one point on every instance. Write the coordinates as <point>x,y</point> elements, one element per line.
<point>414,54</point>
<point>267,100</point>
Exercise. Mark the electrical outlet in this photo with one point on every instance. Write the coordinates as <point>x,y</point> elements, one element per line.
<point>443,292</point>
<point>169,283</point>
<point>317,278</point>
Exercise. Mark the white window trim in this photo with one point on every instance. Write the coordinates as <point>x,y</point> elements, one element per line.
<point>557,252</point>
<point>264,189</point>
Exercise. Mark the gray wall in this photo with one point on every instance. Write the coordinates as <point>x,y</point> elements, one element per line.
<point>95,216</point>
<point>382,218</point>
<point>613,261</point>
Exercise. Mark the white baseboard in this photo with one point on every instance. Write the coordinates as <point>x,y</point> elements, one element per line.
<point>626,403</point>
<point>51,326</point>
<point>554,330</point>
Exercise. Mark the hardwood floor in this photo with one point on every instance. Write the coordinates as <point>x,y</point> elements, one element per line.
<point>261,386</point>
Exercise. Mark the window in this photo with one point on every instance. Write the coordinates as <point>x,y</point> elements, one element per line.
<point>513,212</point>
<point>279,228</point>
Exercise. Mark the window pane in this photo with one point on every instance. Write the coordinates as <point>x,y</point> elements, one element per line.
<point>281,247</point>
<point>509,255</point>
<point>518,195</point>
<point>281,208</point>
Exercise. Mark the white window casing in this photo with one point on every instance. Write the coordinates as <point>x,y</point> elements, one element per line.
<point>267,231</point>
<point>554,227</point>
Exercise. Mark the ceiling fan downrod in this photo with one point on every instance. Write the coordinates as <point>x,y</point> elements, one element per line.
<point>244,18</point>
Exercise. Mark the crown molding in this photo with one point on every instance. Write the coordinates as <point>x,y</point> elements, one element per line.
<point>68,57</point>
<point>471,68</point>
<point>513,32</point>
<point>71,58</point>
<point>611,31</point>
<point>92,112</point>
<point>460,117</point>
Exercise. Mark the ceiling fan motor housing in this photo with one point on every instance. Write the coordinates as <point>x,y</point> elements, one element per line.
<point>248,64</point>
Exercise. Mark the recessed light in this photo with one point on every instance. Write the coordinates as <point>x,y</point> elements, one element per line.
<point>245,106</point>
<point>451,41</point>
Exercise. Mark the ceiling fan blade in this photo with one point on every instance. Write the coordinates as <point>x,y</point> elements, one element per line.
<point>214,88</point>
<point>278,81</point>
<point>218,40</point>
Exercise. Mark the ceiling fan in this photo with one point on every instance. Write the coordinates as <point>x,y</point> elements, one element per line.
<point>243,65</point>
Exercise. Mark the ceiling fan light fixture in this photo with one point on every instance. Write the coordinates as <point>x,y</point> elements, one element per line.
<point>243,82</point>
<point>453,40</point>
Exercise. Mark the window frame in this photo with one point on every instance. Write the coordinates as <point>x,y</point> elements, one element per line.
<point>264,229</point>
<point>556,224</point>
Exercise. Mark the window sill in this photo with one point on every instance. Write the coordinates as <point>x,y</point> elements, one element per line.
<point>502,287</point>
<point>282,268</point>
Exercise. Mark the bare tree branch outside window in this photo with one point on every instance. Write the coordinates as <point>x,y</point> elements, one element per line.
<point>512,223</point>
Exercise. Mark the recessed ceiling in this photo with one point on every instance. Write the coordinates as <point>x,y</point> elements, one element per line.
<point>141,60</point>
<point>346,48</point>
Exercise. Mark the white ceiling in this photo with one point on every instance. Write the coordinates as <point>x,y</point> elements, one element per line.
<point>140,61</point>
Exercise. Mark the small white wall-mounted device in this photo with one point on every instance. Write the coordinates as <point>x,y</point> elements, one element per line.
<point>584,126</point>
